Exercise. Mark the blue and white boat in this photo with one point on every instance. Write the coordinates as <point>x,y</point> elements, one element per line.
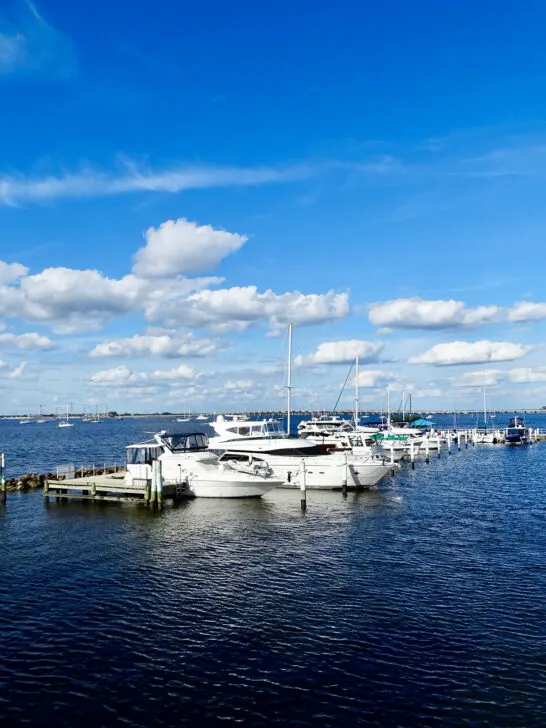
<point>516,433</point>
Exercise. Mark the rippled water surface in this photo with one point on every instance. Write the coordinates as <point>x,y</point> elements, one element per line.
<point>421,603</point>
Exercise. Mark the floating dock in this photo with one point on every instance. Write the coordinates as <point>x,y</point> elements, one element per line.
<point>112,487</point>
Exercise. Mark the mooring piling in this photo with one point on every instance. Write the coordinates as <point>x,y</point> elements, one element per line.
<point>3,492</point>
<point>303,486</point>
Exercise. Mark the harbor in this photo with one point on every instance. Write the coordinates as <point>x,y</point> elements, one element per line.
<point>406,586</point>
<point>328,453</point>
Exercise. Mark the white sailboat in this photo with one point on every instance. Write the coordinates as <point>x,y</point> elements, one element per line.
<point>483,436</point>
<point>66,422</point>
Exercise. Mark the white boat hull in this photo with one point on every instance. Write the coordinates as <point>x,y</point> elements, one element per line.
<point>212,488</point>
<point>323,476</point>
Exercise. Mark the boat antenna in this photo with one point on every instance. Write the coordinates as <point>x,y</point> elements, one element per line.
<point>357,414</point>
<point>289,381</point>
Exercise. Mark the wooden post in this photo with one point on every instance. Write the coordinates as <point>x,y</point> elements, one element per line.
<point>345,478</point>
<point>449,439</point>
<point>427,451</point>
<point>93,489</point>
<point>303,487</point>
<point>412,455</point>
<point>439,444</point>
<point>459,442</point>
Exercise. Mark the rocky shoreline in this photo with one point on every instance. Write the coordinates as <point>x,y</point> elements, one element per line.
<point>36,481</point>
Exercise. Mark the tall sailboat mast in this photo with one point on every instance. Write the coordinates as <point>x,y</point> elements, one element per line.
<point>289,382</point>
<point>357,414</point>
<point>484,410</point>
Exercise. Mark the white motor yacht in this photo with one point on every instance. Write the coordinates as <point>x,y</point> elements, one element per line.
<point>290,457</point>
<point>323,427</point>
<point>186,461</point>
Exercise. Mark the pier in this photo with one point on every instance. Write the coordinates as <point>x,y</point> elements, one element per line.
<point>112,487</point>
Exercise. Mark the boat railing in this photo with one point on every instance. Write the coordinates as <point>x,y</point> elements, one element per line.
<point>68,471</point>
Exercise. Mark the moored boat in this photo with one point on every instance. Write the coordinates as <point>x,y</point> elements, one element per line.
<point>186,462</point>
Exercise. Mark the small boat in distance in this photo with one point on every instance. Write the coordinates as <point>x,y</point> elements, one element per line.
<point>65,422</point>
<point>202,417</point>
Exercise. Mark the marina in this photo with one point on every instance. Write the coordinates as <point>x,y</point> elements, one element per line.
<point>405,588</point>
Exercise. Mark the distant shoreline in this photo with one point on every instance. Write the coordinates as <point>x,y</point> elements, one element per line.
<point>278,413</point>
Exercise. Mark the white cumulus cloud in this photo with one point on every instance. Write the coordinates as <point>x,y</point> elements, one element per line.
<point>238,307</point>
<point>374,378</point>
<point>26,341</point>
<point>417,313</point>
<point>17,372</point>
<point>466,352</point>
<point>342,352</point>
<point>484,378</point>
<point>181,246</point>
<point>164,345</point>
<point>123,375</point>
<point>527,311</point>
<point>238,385</point>
<point>10,272</point>
<point>527,375</point>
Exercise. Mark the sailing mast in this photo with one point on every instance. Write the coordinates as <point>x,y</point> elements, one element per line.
<point>484,410</point>
<point>388,408</point>
<point>357,415</point>
<point>289,381</point>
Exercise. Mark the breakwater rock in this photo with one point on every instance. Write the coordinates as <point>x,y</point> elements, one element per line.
<point>36,481</point>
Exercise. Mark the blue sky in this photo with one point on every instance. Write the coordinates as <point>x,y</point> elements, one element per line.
<point>178,181</point>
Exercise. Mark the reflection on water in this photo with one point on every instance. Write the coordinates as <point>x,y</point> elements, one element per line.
<point>419,603</point>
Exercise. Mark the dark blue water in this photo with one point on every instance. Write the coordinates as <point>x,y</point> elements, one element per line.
<point>421,603</point>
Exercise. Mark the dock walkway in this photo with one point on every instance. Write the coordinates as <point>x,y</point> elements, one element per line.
<point>112,487</point>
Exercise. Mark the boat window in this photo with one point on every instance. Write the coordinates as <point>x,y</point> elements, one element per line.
<point>244,431</point>
<point>240,457</point>
<point>183,442</point>
<point>231,429</point>
<point>143,455</point>
<point>297,452</point>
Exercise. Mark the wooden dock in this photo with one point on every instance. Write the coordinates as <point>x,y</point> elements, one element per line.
<point>112,487</point>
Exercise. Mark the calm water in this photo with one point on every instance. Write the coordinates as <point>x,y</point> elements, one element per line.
<point>422,603</point>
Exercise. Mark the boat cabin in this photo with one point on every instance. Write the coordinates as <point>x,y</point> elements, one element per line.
<point>233,429</point>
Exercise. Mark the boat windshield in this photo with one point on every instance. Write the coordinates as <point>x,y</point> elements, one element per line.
<point>143,454</point>
<point>185,442</point>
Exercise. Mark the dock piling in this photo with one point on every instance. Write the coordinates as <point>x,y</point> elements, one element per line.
<point>303,487</point>
<point>159,488</point>
<point>3,492</point>
<point>412,455</point>
<point>427,451</point>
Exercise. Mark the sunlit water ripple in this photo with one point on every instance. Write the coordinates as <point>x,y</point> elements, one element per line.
<point>421,603</point>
